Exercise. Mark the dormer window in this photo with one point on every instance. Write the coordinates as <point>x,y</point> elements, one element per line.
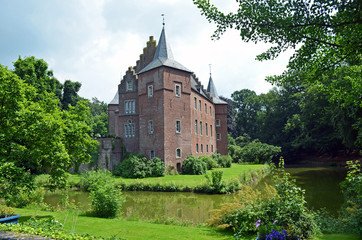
<point>129,85</point>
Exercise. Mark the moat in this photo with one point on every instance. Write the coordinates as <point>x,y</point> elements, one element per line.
<point>321,185</point>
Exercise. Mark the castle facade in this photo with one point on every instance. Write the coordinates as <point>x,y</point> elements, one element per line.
<point>162,110</point>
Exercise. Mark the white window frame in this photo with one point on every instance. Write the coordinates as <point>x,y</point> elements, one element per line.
<point>218,136</point>
<point>129,129</point>
<point>200,128</point>
<point>152,154</point>
<point>200,108</point>
<point>196,127</point>
<point>178,93</point>
<point>195,102</point>
<point>178,155</point>
<point>150,127</point>
<point>150,91</point>
<point>217,122</point>
<point>197,147</point>
<point>211,130</point>
<point>130,107</point>
<point>178,126</point>
<point>129,86</point>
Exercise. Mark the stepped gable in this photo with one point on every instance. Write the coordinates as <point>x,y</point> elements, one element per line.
<point>147,56</point>
<point>163,56</point>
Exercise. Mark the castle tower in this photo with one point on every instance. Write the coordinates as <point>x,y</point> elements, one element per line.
<point>164,106</point>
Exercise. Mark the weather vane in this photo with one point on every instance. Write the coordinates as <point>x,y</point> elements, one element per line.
<point>163,19</point>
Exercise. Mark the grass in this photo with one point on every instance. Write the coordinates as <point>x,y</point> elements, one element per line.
<point>126,229</point>
<point>242,173</point>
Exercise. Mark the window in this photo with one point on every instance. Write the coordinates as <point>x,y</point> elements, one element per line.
<point>217,122</point>
<point>218,136</point>
<point>129,86</point>
<point>205,108</point>
<point>212,148</point>
<point>206,130</point>
<point>197,147</point>
<point>178,90</point>
<point>150,127</point>
<point>202,148</point>
<point>195,102</point>
<point>210,110</point>
<point>152,154</point>
<point>178,153</point>
<point>196,127</point>
<point>200,128</point>
<point>207,148</point>
<point>129,106</point>
<point>129,129</point>
<point>200,105</point>
<point>211,130</point>
<point>150,91</point>
<point>178,126</point>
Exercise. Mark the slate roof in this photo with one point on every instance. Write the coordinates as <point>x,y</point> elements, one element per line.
<point>211,89</point>
<point>115,99</point>
<point>163,56</point>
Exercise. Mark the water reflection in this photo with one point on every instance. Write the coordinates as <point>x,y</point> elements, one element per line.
<point>321,185</point>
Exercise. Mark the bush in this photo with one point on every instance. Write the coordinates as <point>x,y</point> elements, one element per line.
<point>210,162</point>
<point>235,152</point>
<point>134,166</point>
<point>223,161</point>
<point>106,201</point>
<point>258,152</point>
<point>283,202</point>
<point>352,191</point>
<point>157,167</point>
<point>94,179</point>
<point>193,166</point>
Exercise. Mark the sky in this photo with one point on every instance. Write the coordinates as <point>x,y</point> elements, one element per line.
<point>95,41</point>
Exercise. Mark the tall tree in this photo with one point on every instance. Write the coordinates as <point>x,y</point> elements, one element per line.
<point>70,94</point>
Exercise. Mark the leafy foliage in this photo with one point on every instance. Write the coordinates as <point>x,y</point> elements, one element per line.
<point>283,202</point>
<point>94,179</point>
<point>352,190</point>
<point>193,166</point>
<point>223,161</point>
<point>36,135</point>
<point>137,166</point>
<point>210,162</point>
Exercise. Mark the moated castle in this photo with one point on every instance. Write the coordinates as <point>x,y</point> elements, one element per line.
<point>162,110</point>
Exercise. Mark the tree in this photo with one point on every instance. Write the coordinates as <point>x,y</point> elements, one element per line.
<point>36,135</point>
<point>98,117</point>
<point>70,93</point>
<point>35,72</point>
<point>327,33</point>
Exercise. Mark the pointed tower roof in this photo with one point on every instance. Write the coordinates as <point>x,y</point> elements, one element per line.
<point>211,88</point>
<point>163,56</point>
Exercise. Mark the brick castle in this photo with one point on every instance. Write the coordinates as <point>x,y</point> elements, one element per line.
<point>162,110</point>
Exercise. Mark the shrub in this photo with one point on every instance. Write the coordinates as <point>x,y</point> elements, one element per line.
<point>193,166</point>
<point>93,179</point>
<point>210,162</point>
<point>215,183</point>
<point>157,167</point>
<point>235,152</point>
<point>171,170</point>
<point>106,201</point>
<point>258,152</point>
<point>134,166</point>
<point>223,161</point>
<point>352,191</point>
<point>283,202</point>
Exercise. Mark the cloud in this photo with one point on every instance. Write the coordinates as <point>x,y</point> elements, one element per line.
<point>94,42</point>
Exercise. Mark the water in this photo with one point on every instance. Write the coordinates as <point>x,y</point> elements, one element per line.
<point>321,185</point>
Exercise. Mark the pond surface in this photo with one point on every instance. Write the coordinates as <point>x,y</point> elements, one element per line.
<point>321,185</point>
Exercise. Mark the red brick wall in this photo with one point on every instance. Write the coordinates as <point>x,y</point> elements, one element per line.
<point>221,114</point>
<point>206,140</point>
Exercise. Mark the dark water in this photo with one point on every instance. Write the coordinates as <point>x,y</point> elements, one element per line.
<point>321,185</point>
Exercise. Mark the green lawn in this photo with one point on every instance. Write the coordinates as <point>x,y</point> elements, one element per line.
<point>125,228</point>
<point>235,172</point>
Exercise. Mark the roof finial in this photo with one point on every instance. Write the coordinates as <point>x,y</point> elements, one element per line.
<point>210,69</point>
<point>163,19</point>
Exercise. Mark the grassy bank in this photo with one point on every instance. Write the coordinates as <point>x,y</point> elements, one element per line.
<point>233,177</point>
<point>80,224</point>
<point>75,222</point>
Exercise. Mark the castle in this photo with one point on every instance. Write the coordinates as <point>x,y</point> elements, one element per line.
<point>162,110</point>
